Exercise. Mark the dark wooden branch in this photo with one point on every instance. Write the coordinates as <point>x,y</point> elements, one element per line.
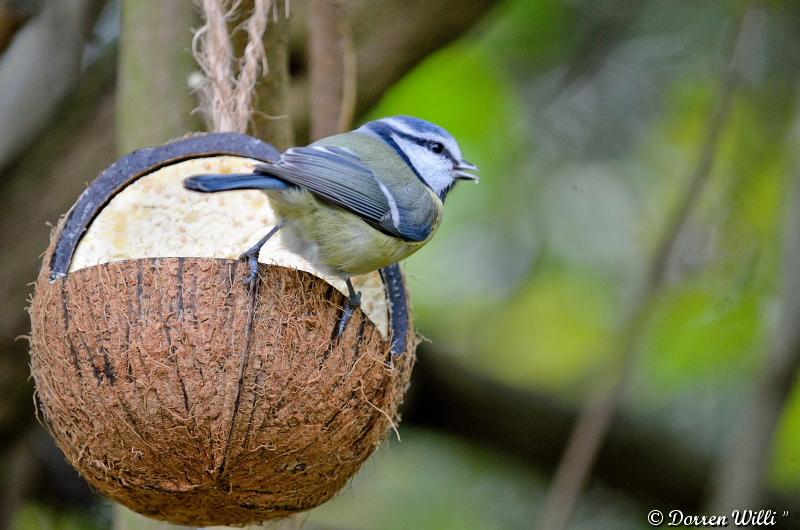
<point>393,36</point>
<point>593,424</point>
<point>332,68</point>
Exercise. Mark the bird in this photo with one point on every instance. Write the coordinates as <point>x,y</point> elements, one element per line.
<point>355,202</point>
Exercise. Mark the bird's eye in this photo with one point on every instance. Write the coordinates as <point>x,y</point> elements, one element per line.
<point>436,147</point>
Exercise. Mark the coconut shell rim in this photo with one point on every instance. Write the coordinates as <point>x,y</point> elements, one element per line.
<point>135,165</point>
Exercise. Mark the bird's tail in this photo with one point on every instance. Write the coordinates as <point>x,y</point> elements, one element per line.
<point>242,181</point>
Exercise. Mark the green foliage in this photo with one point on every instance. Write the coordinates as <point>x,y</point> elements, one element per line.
<point>432,482</point>
<point>553,334</point>
<point>462,487</point>
<point>784,472</point>
<point>531,36</point>
<point>700,334</point>
<point>38,517</point>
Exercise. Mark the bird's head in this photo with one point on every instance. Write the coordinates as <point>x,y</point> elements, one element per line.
<point>431,152</point>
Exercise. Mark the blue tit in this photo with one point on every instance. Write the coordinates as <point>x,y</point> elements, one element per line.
<point>355,202</point>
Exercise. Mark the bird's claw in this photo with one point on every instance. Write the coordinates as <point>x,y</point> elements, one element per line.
<point>252,261</point>
<point>251,255</point>
<point>352,303</point>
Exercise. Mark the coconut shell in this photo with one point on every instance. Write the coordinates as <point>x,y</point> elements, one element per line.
<point>178,392</point>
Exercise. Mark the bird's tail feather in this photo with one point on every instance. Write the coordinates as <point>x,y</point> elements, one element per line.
<point>243,181</point>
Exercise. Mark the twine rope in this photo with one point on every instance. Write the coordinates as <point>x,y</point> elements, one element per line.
<point>227,91</point>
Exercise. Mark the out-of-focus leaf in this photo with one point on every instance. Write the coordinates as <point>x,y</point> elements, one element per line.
<point>432,482</point>
<point>530,36</point>
<point>700,334</point>
<point>38,517</point>
<point>784,472</point>
<point>553,335</point>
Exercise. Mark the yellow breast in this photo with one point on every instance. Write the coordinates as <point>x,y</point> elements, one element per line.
<point>335,239</point>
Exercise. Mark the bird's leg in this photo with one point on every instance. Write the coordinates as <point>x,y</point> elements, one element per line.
<point>351,304</point>
<point>251,254</point>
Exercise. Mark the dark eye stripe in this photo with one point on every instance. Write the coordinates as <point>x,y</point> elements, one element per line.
<point>424,143</point>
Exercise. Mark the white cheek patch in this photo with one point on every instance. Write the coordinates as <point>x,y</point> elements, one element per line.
<point>433,169</point>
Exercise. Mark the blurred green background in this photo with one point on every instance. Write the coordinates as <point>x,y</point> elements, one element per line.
<point>587,120</point>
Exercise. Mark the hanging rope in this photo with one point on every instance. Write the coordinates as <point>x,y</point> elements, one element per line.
<point>227,91</point>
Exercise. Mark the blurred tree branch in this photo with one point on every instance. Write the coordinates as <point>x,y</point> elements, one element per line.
<point>535,427</point>
<point>331,61</point>
<point>36,190</point>
<point>606,32</point>
<point>13,15</point>
<point>154,103</point>
<point>593,423</point>
<point>53,41</point>
<point>741,474</point>
<point>391,39</point>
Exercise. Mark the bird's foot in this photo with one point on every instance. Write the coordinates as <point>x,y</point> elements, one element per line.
<point>352,303</point>
<point>251,256</point>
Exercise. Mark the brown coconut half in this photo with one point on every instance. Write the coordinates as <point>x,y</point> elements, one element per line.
<point>170,386</point>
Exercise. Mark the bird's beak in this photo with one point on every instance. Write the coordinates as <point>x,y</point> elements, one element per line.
<point>462,170</point>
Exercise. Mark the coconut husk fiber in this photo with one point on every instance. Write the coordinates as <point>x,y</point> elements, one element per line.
<point>176,391</point>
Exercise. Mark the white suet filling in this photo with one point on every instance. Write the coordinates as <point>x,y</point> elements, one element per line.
<point>156,217</point>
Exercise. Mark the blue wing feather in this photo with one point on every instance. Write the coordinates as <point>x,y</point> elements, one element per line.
<point>340,177</point>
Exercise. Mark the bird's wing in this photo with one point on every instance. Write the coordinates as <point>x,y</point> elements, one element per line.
<point>339,176</point>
